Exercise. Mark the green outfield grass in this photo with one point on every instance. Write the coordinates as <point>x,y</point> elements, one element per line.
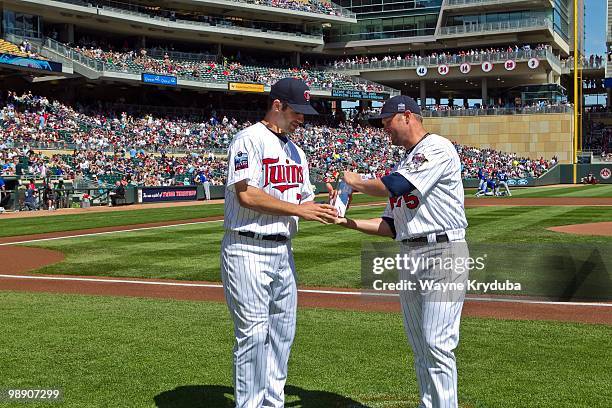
<point>12,227</point>
<point>601,190</point>
<point>325,255</point>
<point>130,352</point>
<point>39,225</point>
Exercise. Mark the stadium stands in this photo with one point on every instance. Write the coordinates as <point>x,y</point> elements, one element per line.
<point>211,71</point>
<point>108,148</point>
<point>22,50</point>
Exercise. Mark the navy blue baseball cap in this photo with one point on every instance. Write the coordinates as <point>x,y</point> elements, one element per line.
<point>395,105</point>
<point>295,93</point>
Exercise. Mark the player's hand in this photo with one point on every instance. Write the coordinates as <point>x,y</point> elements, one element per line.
<point>323,213</point>
<point>352,179</point>
<point>331,193</point>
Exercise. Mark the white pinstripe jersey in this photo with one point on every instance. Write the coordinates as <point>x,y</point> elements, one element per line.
<point>278,168</point>
<point>436,205</point>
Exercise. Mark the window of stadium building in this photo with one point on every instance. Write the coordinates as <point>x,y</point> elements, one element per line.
<point>368,6</point>
<point>405,4</point>
<point>380,28</point>
<point>25,25</point>
<point>496,17</point>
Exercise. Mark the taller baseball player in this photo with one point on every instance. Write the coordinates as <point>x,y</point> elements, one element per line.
<point>425,194</point>
<point>268,190</point>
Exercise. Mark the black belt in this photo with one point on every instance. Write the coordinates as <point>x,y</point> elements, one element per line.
<point>275,238</point>
<point>439,238</point>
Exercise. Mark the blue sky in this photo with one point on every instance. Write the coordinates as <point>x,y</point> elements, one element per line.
<point>595,27</point>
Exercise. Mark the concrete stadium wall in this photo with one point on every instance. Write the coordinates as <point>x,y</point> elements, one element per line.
<point>531,136</point>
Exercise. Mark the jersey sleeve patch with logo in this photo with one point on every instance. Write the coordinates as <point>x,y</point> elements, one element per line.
<point>241,161</point>
<point>244,162</point>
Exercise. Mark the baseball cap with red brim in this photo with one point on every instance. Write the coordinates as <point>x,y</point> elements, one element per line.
<point>295,93</point>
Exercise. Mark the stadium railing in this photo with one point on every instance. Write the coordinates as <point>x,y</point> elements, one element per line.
<point>101,67</point>
<point>497,111</point>
<point>434,61</point>
<point>498,26</point>
<point>180,55</point>
<point>569,64</point>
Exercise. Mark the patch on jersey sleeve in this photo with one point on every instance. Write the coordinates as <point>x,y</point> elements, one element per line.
<point>417,161</point>
<point>241,161</point>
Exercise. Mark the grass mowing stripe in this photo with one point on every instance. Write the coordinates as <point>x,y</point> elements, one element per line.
<point>106,351</point>
<point>24,226</point>
<point>325,255</point>
<point>39,225</point>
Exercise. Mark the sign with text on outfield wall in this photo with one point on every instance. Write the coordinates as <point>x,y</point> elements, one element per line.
<point>359,95</point>
<point>157,194</point>
<point>244,87</point>
<point>159,79</point>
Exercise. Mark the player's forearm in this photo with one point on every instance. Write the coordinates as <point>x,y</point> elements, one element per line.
<point>257,200</point>
<point>373,187</point>
<point>374,226</point>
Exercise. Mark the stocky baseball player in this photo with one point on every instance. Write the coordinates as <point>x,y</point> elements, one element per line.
<point>268,189</point>
<point>425,193</point>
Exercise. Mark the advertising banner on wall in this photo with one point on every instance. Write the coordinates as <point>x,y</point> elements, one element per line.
<point>157,194</point>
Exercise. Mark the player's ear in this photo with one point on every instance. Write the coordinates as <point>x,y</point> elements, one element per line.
<point>278,105</point>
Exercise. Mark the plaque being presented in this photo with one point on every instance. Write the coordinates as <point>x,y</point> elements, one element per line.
<point>343,198</point>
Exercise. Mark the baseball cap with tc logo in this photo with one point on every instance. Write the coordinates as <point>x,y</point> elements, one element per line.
<point>395,105</point>
<point>295,93</point>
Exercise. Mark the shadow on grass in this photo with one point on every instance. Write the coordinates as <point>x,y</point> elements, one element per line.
<point>220,396</point>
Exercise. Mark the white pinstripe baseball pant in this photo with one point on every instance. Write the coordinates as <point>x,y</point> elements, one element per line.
<point>261,294</point>
<point>431,321</point>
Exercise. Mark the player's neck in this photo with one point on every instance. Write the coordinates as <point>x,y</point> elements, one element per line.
<point>416,138</point>
<point>269,123</point>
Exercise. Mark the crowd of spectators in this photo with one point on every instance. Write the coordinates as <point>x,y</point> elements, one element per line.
<point>598,137</point>
<point>26,48</point>
<point>534,106</point>
<point>491,160</point>
<point>213,71</point>
<point>143,169</point>
<point>136,148</point>
<point>593,61</point>
<point>211,18</point>
<point>442,57</point>
<point>36,121</point>
<point>310,6</point>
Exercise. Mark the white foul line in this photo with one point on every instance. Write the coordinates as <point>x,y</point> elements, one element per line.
<point>316,291</point>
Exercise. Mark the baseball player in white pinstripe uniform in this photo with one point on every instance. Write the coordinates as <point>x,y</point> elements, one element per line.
<point>268,190</point>
<point>425,193</point>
